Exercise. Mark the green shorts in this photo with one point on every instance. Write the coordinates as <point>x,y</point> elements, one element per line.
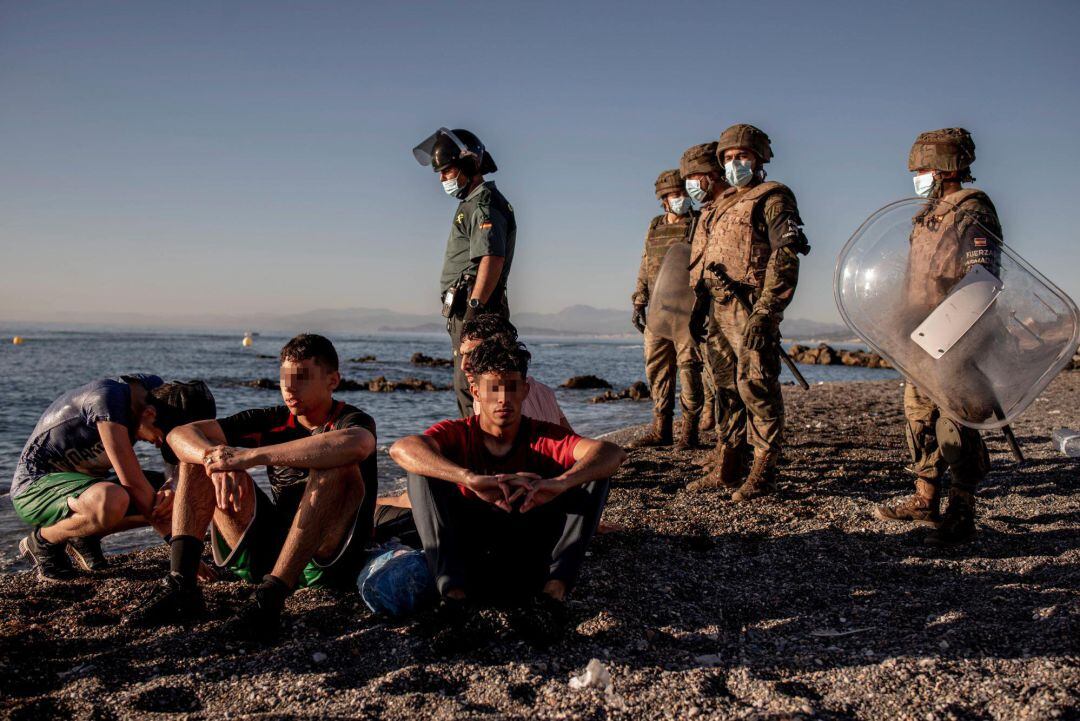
<point>263,539</point>
<point>45,501</point>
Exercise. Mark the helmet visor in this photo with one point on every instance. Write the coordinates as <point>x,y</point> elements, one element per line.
<point>424,152</point>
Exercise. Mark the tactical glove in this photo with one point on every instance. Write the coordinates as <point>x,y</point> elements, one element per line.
<point>638,318</point>
<point>699,318</point>
<point>760,331</point>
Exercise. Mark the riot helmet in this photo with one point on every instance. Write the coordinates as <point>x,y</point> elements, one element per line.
<point>459,148</point>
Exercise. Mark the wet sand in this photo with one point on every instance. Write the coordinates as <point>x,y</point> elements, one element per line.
<point>799,606</point>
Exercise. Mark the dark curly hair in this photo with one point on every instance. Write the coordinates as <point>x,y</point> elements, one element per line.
<point>309,345</point>
<point>487,325</point>
<point>501,354</point>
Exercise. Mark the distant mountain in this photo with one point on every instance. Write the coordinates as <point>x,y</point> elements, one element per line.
<point>803,329</point>
<point>576,320</point>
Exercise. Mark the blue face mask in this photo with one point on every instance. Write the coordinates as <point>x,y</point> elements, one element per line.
<point>695,190</point>
<point>679,206</point>
<point>738,172</point>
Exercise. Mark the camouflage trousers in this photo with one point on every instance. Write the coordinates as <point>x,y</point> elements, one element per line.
<point>749,403</point>
<point>708,385</point>
<point>972,461</point>
<point>663,358</point>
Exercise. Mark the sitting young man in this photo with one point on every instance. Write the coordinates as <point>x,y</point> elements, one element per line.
<point>391,516</point>
<point>319,455</point>
<point>505,505</point>
<point>78,478</point>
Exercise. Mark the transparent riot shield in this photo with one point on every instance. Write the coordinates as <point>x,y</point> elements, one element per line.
<point>982,342</point>
<point>671,300</point>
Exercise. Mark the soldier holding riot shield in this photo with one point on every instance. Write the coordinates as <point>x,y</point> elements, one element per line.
<point>948,240</point>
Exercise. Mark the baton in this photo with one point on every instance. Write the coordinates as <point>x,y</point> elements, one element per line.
<point>1010,438</point>
<point>717,270</point>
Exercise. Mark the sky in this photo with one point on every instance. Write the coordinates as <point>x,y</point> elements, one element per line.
<point>242,157</point>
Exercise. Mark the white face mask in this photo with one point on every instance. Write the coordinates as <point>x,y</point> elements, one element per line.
<point>679,206</point>
<point>738,172</point>
<point>924,183</point>
<point>451,186</point>
<point>696,190</point>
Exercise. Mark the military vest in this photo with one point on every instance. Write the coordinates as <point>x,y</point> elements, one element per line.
<point>662,236</point>
<point>732,240</point>
<point>936,261</point>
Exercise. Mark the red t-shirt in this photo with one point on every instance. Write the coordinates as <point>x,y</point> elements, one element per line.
<point>542,448</point>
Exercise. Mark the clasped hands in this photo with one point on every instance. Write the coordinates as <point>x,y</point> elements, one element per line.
<point>504,490</point>
<point>227,467</point>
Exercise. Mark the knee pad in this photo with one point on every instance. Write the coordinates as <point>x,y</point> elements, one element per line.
<point>950,440</point>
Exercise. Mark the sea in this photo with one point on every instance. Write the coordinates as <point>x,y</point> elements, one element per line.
<point>49,362</point>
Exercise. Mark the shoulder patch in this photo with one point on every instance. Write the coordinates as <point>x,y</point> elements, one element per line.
<point>460,218</point>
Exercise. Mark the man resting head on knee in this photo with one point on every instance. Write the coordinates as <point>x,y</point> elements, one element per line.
<point>506,505</point>
<point>78,478</point>
<point>319,455</point>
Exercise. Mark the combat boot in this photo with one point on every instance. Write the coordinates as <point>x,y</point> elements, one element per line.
<point>660,435</point>
<point>688,435</point>
<point>921,508</point>
<point>726,472</point>
<point>708,418</point>
<point>957,523</point>
<point>762,478</point>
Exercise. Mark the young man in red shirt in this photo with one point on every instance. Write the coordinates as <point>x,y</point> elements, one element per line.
<point>505,505</point>
<point>319,455</point>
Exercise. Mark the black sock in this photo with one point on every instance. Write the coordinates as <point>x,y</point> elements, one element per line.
<point>273,591</point>
<point>41,540</point>
<point>186,552</point>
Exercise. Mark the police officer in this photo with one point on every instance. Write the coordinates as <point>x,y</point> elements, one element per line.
<point>947,240</point>
<point>752,236</point>
<point>663,355</point>
<point>480,248</point>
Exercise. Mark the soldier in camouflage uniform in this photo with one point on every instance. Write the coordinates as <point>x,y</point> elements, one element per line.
<point>947,241</point>
<point>753,233</point>
<point>663,356</point>
<point>704,180</point>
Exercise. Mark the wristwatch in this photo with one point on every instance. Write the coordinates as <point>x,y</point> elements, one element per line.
<point>474,303</point>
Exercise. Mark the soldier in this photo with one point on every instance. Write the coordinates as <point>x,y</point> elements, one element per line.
<point>947,241</point>
<point>751,237</point>
<point>480,248</point>
<point>662,355</point>
<point>704,181</point>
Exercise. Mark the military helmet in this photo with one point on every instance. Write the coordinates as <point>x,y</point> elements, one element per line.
<point>946,149</point>
<point>745,136</point>
<point>459,147</point>
<point>668,181</point>
<point>699,159</point>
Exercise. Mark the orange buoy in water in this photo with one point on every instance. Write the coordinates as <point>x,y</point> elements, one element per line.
<point>18,340</point>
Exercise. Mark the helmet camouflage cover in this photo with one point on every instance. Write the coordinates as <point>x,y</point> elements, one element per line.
<point>699,159</point>
<point>946,149</point>
<point>668,181</point>
<point>745,136</point>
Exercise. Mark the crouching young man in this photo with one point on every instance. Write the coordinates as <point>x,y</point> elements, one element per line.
<point>319,455</point>
<point>505,505</point>
<point>78,478</point>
